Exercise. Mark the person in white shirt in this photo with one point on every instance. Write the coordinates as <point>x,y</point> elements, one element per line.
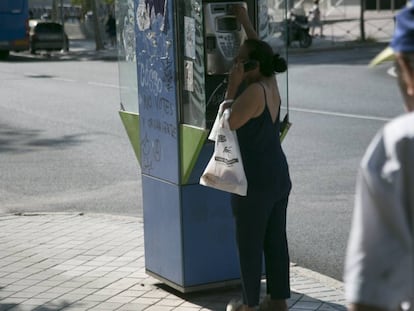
<point>315,18</point>
<point>379,265</point>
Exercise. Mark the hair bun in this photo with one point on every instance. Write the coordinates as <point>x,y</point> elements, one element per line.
<point>279,64</point>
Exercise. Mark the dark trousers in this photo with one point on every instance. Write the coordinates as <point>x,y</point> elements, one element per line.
<point>261,229</point>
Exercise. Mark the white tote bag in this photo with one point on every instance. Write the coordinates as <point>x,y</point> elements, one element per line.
<point>225,169</point>
<point>216,124</point>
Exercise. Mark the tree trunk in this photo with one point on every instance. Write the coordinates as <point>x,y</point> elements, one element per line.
<point>96,24</point>
<point>54,10</point>
<point>362,21</point>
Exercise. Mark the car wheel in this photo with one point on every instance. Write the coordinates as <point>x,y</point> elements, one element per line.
<point>66,46</point>
<point>305,40</point>
<point>32,49</point>
<point>286,38</point>
<point>4,54</point>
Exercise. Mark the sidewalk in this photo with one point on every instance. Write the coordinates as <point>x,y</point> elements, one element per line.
<point>96,262</point>
<point>85,49</point>
<point>339,34</point>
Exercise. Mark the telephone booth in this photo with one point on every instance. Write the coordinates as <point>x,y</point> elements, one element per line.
<point>172,83</point>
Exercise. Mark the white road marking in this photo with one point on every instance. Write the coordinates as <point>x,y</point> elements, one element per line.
<point>64,80</point>
<point>103,84</point>
<point>391,72</point>
<point>100,84</point>
<point>339,114</point>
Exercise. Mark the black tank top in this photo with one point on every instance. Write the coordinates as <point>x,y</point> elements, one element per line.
<point>264,161</point>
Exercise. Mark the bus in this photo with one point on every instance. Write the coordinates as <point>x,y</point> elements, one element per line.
<point>14,26</point>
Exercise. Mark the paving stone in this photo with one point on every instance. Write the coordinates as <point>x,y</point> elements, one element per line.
<point>170,302</point>
<point>107,306</point>
<point>97,298</point>
<point>307,305</point>
<point>163,308</point>
<point>121,299</point>
<point>23,307</point>
<point>132,307</point>
<point>71,262</point>
<point>37,301</point>
<point>12,300</point>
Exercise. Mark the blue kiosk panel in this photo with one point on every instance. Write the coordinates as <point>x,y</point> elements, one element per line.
<point>209,252</point>
<point>162,229</point>
<point>189,235</point>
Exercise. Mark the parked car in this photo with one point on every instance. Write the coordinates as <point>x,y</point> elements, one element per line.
<point>47,36</point>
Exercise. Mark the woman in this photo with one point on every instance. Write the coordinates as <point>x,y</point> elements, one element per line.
<point>260,216</point>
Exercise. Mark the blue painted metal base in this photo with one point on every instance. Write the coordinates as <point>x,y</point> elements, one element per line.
<point>189,235</point>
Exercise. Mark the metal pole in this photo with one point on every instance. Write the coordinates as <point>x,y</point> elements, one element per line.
<point>62,18</point>
<point>54,11</point>
<point>98,37</point>
<point>61,11</point>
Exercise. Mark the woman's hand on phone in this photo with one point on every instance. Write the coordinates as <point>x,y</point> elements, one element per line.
<point>236,74</point>
<point>240,12</point>
<point>235,78</point>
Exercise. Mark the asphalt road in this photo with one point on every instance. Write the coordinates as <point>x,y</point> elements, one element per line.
<point>63,146</point>
<point>337,106</point>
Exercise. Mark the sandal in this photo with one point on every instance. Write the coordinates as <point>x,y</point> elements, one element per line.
<point>273,305</point>
<point>234,305</point>
<point>237,305</point>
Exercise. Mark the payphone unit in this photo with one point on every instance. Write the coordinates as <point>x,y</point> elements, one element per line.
<point>223,36</point>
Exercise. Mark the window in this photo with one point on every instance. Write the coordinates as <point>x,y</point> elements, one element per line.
<point>11,6</point>
<point>48,28</point>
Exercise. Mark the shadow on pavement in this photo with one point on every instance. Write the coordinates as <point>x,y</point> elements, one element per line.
<point>217,299</point>
<point>22,140</point>
<point>88,55</point>
<point>45,307</point>
<point>8,306</point>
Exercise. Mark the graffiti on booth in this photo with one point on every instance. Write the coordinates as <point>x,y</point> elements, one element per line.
<point>157,93</point>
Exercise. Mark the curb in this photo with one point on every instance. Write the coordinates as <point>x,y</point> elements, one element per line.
<point>73,214</point>
<point>326,280</point>
<point>346,45</point>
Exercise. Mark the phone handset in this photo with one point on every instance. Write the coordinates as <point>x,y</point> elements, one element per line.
<point>250,65</point>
